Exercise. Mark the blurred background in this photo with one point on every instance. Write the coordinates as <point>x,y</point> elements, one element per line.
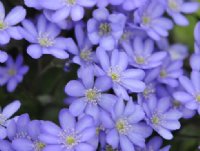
<point>42,90</point>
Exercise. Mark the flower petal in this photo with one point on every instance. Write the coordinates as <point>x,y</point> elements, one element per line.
<point>15,16</point>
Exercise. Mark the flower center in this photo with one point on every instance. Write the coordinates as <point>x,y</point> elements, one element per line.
<point>45,41</point>
<point>140,60</point>
<point>86,55</point>
<point>109,148</point>
<point>12,72</point>
<point>198,98</point>
<point>2,25</point>
<point>176,104</point>
<point>173,4</point>
<point>93,95</point>
<point>115,74</point>
<point>70,2</point>
<point>148,90</point>
<point>39,146</point>
<point>104,29</point>
<point>156,119</point>
<point>163,73</point>
<point>69,138</point>
<point>123,126</point>
<point>2,119</point>
<point>146,20</point>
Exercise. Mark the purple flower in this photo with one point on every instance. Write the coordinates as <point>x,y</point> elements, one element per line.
<point>72,135</point>
<point>178,52</point>
<point>150,19</point>
<point>124,127</point>
<point>150,89</point>
<point>141,54</point>
<point>84,56</point>
<point>175,8</point>
<point>13,73</point>
<point>154,144</point>
<point>18,128</point>
<point>115,66</point>
<point>105,29</point>
<point>3,56</point>
<point>62,9</point>
<point>5,114</point>
<point>89,94</point>
<point>161,117</point>
<point>191,94</point>
<point>129,5</point>
<point>163,91</point>
<point>31,142</point>
<point>7,23</point>
<point>169,72</point>
<point>44,39</point>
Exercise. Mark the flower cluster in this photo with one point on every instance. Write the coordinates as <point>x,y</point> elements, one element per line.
<point>130,85</point>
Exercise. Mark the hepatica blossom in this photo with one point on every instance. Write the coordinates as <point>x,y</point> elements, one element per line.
<point>90,96</point>
<point>72,135</point>
<point>116,68</point>
<point>13,73</point>
<point>141,54</point>
<point>44,39</point>
<point>161,117</point>
<point>105,29</point>
<point>125,79</point>
<point>150,19</point>
<point>83,51</point>
<point>175,8</point>
<point>8,28</point>
<point>63,9</point>
<point>124,125</point>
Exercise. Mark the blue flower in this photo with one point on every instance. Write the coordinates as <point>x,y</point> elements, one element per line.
<point>89,94</point>
<point>141,54</point>
<point>105,29</point>
<point>169,72</point>
<point>72,135</point>
<point>7,23</point>
<point>116,68</point>
<point>124,126</point>
<point>190,96</point>
<point>175,8</point>
<point>178,51</point>
<point>5,114</point>
<point>31,141</point>
<point>13,73</point>
<point>62,9</point>
<point>150,19</point>
<point>83,51</point>
<point>44,39</point>
<point>161,117</point>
